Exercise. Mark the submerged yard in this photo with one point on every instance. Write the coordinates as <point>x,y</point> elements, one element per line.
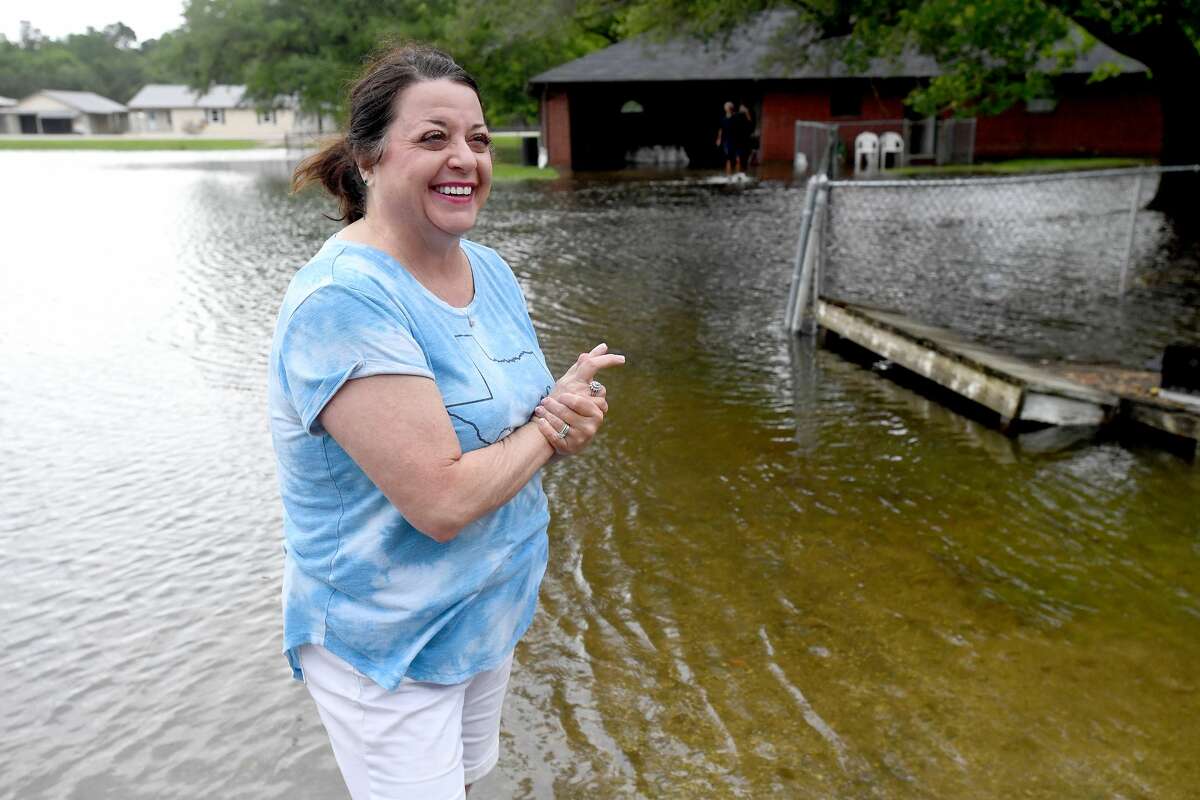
<point>775,575</point>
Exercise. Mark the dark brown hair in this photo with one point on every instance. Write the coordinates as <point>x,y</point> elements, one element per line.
<point>372,108</point>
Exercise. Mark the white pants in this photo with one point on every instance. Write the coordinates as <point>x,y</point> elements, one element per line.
<point>424,741</point>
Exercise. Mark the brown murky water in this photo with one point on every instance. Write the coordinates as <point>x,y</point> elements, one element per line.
<point>776,574</point>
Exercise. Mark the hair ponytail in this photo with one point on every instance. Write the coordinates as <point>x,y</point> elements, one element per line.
<point>334,168</point>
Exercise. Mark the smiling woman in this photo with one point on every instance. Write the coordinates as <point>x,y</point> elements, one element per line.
<point>411,412</point>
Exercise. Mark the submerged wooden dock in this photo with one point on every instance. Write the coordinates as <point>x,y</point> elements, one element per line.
<point>1022,394</point>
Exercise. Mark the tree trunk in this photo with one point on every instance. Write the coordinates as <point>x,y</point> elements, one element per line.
<point>1178,193</point>
<point>1168,51</point>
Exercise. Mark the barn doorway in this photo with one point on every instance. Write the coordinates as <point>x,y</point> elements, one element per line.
<point>615,126</point>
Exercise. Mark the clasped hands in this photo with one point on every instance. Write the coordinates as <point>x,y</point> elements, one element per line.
<point>573,412</point>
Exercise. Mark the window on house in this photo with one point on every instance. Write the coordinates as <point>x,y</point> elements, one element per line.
<point>845,102</point>
<point>266,117</point>
<point>1041,105</point>
<point>216,115</point>
<point>150,116</point>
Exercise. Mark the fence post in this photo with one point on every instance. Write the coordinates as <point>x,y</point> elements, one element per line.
<point>801,246</point>
<point>1135,201</point>
<point>835,163</point>
<point>821,217</point>
<point>809,257</point>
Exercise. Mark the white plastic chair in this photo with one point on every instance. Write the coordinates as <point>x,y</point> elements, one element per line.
<point>891,144</point>
<point>866,152</point>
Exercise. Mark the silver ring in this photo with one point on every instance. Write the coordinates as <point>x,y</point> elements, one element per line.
<point>566,428</point>
<point>595,387</point>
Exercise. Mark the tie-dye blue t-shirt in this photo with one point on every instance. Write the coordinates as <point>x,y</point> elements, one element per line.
<point>358,578</point>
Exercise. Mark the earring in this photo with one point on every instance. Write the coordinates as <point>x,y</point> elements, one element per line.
<point>366,178</point>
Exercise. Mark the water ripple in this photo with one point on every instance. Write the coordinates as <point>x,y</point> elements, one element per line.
<point>775,573</point>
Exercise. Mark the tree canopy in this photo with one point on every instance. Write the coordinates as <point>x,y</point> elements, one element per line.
<point>109,62</point>
<point>311,49</point>
<point>993,54</point>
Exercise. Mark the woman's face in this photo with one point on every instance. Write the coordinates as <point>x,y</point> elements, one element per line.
<point>436,169</point>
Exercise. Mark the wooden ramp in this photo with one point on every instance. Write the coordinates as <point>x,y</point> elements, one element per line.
<point>1142,402</point>
<point>1014,389</point>
<point>1019,392</point>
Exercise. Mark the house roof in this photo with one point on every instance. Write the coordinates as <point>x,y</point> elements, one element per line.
<point>751,54</point>
<point>7,101</point>
<point>177,95</point>
<point>85,102</point>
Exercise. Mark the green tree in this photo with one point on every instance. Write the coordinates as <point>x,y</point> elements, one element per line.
<point>311,49</point>
<point>113,61</point>
<point>306,48</point>
<point>993,54</point>
<point>108,62</point>
<point>161,59</point>
<point>504,43</point>
<point>36,63</point>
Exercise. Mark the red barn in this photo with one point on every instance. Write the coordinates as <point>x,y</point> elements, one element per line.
<point>597,110</point>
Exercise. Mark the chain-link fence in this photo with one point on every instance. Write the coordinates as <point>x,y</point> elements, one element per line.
<point>829,147</point>
<point>1067,266</point>
<point>813,147</point>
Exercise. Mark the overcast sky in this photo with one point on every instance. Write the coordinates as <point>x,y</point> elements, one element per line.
<point>57,18</point>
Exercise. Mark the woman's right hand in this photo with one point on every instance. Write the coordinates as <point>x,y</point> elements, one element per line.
<point>577,401</point>
<point>578,379</point>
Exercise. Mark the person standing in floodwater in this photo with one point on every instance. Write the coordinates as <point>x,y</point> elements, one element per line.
<point>727,139</point>
<point>411,410</point>
<point>743,137</point>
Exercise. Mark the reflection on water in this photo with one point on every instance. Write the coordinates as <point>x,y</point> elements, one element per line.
<point>774,575</point>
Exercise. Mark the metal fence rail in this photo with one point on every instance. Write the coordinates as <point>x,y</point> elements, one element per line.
<point>1035,263</point>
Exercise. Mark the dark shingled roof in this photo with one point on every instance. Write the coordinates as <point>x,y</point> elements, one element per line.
<point>748,55</point>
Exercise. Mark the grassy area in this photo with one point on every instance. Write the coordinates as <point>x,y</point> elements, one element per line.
<point>1022,166</point>
<point>507,158</point>
<point>83,143</point>
<point>516,172</point>
<point>508,150</point>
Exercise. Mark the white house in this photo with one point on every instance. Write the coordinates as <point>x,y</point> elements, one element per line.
<point>222,112</point>
<point>55,111</point>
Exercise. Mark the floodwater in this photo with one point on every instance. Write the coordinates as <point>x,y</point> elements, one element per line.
<point>775,574</point>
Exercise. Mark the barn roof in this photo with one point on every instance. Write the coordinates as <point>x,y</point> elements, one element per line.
<point>750,54</point>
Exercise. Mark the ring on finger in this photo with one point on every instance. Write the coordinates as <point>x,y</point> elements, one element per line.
<point>595,387</point>
<point>566,428</point>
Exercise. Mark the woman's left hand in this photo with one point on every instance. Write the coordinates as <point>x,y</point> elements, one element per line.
<point>570,421</point>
